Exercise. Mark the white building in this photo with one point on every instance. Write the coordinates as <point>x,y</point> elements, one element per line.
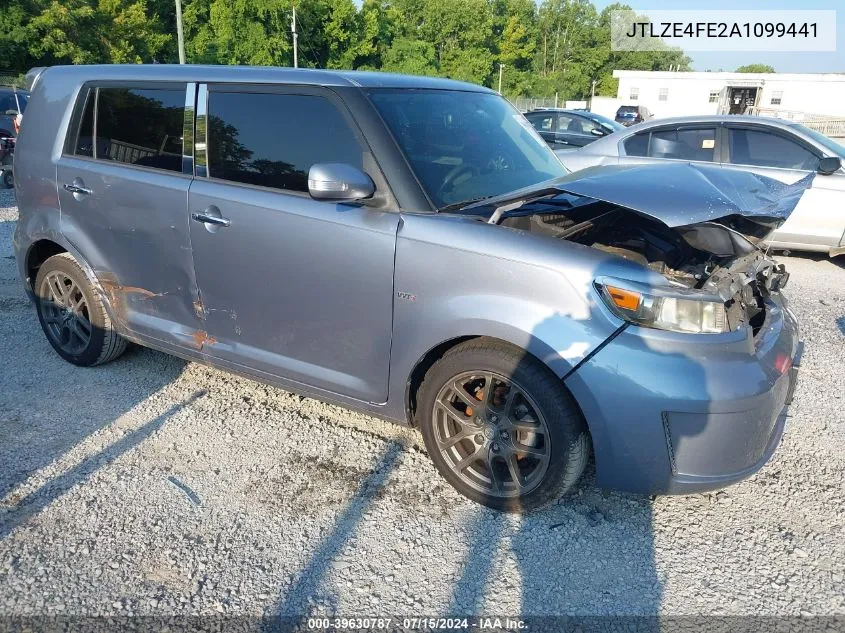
<point>772,94</point>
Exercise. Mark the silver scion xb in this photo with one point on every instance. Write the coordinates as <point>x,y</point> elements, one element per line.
<point>411,248</point>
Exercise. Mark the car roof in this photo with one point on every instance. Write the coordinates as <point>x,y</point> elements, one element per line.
<point>565,110</point>
<point>258,74</point>
<point>715,118</point>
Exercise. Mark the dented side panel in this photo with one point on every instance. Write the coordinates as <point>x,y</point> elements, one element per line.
<point>133,231</point>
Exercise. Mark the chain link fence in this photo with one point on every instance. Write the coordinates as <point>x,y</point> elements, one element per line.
<point>526,104</point>
<point>11,79</point>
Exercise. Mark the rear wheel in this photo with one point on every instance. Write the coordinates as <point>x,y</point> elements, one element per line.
<point>500,427</point>
<point>72,314</point>
<point>8,179</point>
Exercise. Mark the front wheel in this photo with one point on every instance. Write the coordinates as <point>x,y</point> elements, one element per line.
<point>500,427</point>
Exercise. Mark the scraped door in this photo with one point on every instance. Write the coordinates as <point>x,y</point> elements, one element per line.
<point>290,286</point>
<point>123,192</point>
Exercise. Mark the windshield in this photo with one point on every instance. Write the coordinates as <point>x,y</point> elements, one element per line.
<point>626,110</point>
<point>835,148</point>
<point>465,146</point>
<point>9,101</point>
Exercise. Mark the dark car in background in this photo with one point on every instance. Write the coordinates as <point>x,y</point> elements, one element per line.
<point>630,114</point>
<point>562,129</point>
<point>12,103</point>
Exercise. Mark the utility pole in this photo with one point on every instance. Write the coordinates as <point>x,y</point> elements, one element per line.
<point>293,32</point>
<point>501,69</point>
<point>592,92</point>
<point>179,34</point>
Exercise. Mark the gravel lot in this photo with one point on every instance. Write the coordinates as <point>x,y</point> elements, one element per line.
<point>155,486</point>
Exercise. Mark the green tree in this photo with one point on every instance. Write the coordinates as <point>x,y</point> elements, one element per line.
<point>85,32</point>
<point>15,37</point>
<point>252,32</point>
<point>414,57</point>
<point>755,68</point>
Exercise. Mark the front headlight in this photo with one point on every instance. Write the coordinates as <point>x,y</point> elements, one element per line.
<point>665,308</point>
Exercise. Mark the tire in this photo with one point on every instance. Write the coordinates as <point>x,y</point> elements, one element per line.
<point>8,179</point>
<point>541,417</point>
<point>64,328</point>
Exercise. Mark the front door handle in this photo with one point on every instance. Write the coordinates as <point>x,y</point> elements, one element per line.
<point>78,188</point>
<point>210,219</point>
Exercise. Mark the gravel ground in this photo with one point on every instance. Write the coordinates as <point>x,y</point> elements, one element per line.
<point>155,486</point>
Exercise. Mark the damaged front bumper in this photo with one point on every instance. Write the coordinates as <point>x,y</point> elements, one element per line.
<point>674,413</point>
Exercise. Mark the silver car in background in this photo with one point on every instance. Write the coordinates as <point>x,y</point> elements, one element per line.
<point>775,148</point>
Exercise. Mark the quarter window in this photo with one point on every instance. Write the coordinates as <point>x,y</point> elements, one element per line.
<point>271,140</point>
<point>685,144</point>
<point>542,122</point>
<point>134,126</point>
<point>637,145</point>
<point>763,149</point>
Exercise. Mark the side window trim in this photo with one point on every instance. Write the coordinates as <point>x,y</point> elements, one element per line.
<point>188,129</point>
<point>201,134</point>
<point>94,116</point>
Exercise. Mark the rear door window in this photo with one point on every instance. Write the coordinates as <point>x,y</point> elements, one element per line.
<point>684,144</point>
<point>135,126</point>
<point>764,149</point>
<point>272,139</point>
<point>575,124</point>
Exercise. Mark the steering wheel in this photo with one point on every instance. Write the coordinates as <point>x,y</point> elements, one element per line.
<point>499,161</point>
<point>455,173</point>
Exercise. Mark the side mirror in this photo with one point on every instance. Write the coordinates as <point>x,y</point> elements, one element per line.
<point>829,164</point>
<point>597,131</point>
<point>339,182</point>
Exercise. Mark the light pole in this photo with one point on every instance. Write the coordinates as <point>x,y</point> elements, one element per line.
<point>180,36</point>
<point>293,32</point>
<point>501,69</point>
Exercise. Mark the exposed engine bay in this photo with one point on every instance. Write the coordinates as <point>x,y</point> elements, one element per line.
<point>711,257</point>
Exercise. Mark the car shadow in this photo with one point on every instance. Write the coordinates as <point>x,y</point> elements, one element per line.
<point>49,408</point>
<point>285,614</point>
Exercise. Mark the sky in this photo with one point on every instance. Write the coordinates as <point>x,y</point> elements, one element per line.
<point>783,62</point>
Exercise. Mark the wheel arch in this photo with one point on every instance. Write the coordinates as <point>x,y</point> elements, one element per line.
<point>38,253</point>
<point>434,354</point>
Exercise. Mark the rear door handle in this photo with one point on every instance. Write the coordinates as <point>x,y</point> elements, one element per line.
<point>210,219</point>
<point>75,188</point>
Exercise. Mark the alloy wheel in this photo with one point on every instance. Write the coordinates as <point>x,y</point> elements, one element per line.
<point>65,313</point>
<point>491,434</point>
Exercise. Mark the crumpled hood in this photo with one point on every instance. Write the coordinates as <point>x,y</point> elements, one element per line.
<point>683,194</point>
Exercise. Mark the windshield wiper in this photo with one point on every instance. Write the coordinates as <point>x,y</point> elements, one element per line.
<point>462,204</point>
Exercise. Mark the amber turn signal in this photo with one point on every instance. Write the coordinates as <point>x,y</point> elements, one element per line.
<point>625,299</point>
